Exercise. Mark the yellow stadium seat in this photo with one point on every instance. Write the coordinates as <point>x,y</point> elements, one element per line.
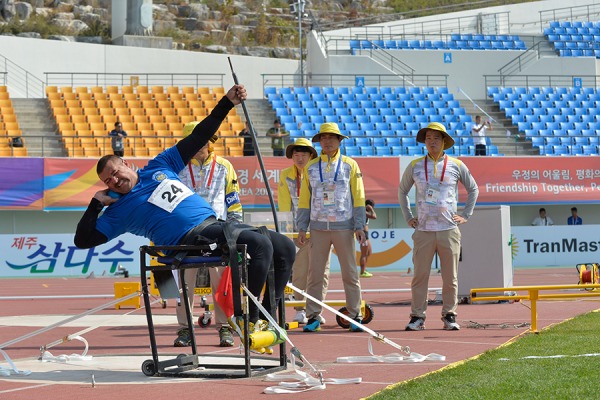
<point>112,90</point>
<point>91,152</point>
<point>198,112</point>
<point>206,97</point>
<point>141,89</point>
<point>90,111</point>
<point>78,119</point>
<point>54,96</point>
<point>4,96</point>
<point>93,118</point>
<point>130,96</point>
<point>118,104</point>
<point>75,111</point>
<point>233,118</point>
<point>149,104</point>
<point>153,119</point>
<point>218,91</point>
<point>81,89</point>
<point>109,119</point>
<point>103,104</point>
<point>137,111</point>
<point>129,126</point>
<point>145,96</point>
<point>59,111</point>
<point>141,152</point>
<point>6,103</point>
<point>100,96</point>
<point>50,89</point>
<point>190,118</point>
<point>115,96</point>
<point>151,141</point>
<point>172,89</point>
<point>8,118</point>
<point>157,89</point>
<point>163,104</point>
<point>140,118</point>
<point>85,96</point>
<point>210,104</point>
<point>169,141</point>
<point>160,126</point>
<point>195,104</point>
<point>146,133</point>
<point>235,152</point>
<point>125,118</point>
<point>88,103</point>
<point>127,89</point>
<point>62,118</point>
<point>19,152</point>
<point>220,151</point>
<point>65,126</point>
<point>162,133</point>
<point>72,103</point>
<point>179,104</point>
<point>151,111</point>
<point>167,111</point>
<point>183,112</point>
<point>176,97</point>
<point>66,89</point>
<point>134,104</point>
<point>170,118</point>
<point>75,151</point>
<point>121,111</point>
<point>81,126</point>
<point>160,96</point>
<point>98,126</point>
<point>188,90</point>
<point>107,111</point>
<point>54,104</point>
<point>203,90</point>
<point>143,126</point>
<point>13,125</point>
<point>97,89</point>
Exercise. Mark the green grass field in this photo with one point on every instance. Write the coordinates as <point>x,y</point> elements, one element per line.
<point>512,372</point>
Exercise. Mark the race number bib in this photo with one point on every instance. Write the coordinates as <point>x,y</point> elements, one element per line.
<point>169,194</point>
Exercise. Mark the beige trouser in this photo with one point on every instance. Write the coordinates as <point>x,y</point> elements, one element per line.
<point>447,244</point>
<point>343,243</point>
<point>190,279</point>
<point>300,272</point>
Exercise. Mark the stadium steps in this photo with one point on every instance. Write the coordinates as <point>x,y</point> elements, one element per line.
<point>262,116</point>
<point>508,145</point>
<point>38,128</point>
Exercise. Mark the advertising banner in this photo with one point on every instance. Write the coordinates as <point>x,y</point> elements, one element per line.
<point>535,180</point>
<point>55,255</point>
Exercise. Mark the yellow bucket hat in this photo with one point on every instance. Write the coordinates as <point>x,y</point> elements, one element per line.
<point>328,127</point>
<point>189,127</point>
<point>300,142</point>
<point>436,126</point>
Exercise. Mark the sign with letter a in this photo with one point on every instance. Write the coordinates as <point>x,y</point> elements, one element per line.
<point>447,58</point>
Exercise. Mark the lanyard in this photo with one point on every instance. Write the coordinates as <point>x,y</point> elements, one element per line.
<point>337,169</point>
<point>443,169</point>
<point>297,184</point>
<point>210,174</point>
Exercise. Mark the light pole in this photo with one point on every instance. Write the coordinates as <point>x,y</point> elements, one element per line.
<point>299,8</point>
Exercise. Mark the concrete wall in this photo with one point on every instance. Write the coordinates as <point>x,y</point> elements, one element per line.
<point>38,57</point>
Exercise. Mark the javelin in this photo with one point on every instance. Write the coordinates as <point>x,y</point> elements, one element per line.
<point>257,150</point>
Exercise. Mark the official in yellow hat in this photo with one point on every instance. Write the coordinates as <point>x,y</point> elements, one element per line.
<point>300,143</point>
<point>328,127</point>
<point>436,126</point>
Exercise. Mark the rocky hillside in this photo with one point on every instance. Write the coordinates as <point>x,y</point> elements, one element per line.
<point>250,27</point>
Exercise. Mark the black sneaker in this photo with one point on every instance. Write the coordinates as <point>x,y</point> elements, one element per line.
<point>415,324</point>
<point>184,339</point>
<point>225,337</point>
<point>449,321</point>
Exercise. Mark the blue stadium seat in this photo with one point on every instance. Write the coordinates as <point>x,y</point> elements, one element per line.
<point>392,141</point>
<point>367,151</point>
<point>397,150</point>
<point>352,151</point>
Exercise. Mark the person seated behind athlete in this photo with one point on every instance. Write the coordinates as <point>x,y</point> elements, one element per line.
<point>214,178</point>
<point>155,204</point>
